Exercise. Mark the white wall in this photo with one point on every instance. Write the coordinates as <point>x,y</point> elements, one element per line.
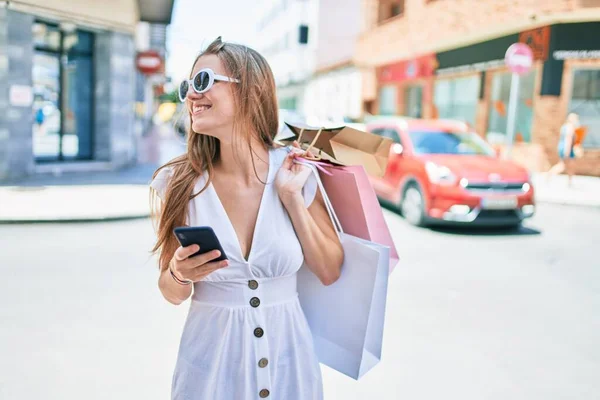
<point>277,34</point>
<point>339,24</point>
<point>334,95</point>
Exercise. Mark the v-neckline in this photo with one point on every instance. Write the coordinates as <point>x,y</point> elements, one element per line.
<point>231,228</point>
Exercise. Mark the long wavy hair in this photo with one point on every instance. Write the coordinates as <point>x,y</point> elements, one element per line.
<point>256,115</point>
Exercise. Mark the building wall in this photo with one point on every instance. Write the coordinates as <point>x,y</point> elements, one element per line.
<point>337,41</point>
<point>433,26</point>
<point>277,38</point>
<point>335,94</point>
<point>16,52</point>
<point>115,98</point>
<point>119,14</point>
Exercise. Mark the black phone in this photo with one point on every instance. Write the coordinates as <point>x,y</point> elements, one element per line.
<point>203,236</point>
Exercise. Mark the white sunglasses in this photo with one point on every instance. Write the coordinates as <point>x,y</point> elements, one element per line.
<point>202,82</point>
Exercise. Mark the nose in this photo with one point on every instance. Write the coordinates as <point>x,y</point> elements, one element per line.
<point>192,94</point>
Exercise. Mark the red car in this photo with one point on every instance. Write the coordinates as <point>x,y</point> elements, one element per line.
<point>440,171</point>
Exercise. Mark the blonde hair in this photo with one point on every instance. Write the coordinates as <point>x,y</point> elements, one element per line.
<point>256,115</point>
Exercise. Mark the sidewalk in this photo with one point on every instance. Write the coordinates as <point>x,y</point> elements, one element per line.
<point>89,196</point>
<point>78,196</point>
<point>584,192</point>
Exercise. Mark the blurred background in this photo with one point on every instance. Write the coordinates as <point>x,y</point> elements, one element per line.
<point>498,291</point>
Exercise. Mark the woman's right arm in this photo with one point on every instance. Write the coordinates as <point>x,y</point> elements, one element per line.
<point>188,270</point>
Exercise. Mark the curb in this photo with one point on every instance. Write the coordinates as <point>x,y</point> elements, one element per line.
<point>567,203</point>
<point>69,220</point>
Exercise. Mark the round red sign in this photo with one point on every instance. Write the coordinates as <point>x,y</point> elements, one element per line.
<point>519,58</point>
<point>149,62</point>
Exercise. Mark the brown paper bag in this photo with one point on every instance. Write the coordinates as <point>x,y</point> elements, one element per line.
<point>344,146</point>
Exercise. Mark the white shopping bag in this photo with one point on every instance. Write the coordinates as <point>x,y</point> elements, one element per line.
<point>346,318</point>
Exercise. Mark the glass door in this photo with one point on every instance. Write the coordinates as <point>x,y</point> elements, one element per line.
<point>63,87</point>
<point>413,101</point>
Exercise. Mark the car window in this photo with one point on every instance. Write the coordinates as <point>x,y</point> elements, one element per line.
<point>388,133</point>
<point>449,143</point>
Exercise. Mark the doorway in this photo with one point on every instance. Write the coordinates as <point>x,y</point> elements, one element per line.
<point>63,93</point>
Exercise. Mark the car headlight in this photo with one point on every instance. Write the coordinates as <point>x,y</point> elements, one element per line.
<point>439,174</point>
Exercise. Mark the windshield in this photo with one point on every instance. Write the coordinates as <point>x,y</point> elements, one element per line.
<point>449,143</point>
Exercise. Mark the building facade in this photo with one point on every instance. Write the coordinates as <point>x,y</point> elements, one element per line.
<point>334,91</point>
<point>441,58</point>
<point>68,84</point>
<point>286,34</point>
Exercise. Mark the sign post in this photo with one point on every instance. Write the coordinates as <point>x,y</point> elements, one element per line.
<point>519,60</point>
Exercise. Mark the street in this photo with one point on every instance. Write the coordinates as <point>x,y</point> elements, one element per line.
<point>470,314</point>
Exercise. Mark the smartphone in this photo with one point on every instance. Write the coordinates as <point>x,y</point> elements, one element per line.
<point>203,236</point>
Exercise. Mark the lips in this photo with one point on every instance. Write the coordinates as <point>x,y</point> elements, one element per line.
<point>200,108</point>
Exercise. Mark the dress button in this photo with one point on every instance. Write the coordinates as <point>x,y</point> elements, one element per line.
<point>263,362</point>
<point>255,302</point>
<point>264,393</point>
<point>253,284</point>
<point>258,332</point>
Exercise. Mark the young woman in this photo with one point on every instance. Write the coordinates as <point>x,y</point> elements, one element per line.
<point>246,336</point>
<point>565,149</point>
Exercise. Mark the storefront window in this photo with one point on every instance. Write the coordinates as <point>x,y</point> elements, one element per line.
<point>457,98</point>
<point>63,93</point>
<point>585,101</point>
<point>387,100</point>
<point>46,36</point>
<point>288,103</point>
<point>498,113</point>
<point>413,101</point>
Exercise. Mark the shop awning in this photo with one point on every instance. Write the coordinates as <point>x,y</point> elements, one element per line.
<point>156,11</point>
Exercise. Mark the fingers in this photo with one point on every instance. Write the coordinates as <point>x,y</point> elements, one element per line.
<point>289,160</point>
<point>304,153</point>
<point>195,268</point>
<point>202,259</point>
<point>200,272</point>
<point>184,252</point>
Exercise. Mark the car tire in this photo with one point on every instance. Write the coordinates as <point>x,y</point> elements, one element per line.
<point>412,205</point>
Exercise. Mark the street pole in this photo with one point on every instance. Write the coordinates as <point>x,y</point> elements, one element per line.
<point>512,114</point>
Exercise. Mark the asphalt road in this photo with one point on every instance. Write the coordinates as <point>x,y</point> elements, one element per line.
<point>470,314</point>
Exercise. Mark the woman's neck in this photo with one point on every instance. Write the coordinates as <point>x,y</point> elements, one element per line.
<point>238,162</point>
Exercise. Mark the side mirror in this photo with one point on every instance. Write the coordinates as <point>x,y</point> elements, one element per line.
<point>397,148</point>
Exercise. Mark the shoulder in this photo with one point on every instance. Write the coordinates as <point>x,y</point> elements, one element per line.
<point>161,180</point>
<point>279,152</point>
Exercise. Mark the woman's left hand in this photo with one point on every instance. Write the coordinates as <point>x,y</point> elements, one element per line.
<point>291,177</point>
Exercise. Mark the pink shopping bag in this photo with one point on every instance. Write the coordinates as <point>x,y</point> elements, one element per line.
<point>357,206</point>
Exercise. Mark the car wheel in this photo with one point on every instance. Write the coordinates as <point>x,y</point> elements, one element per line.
<point>413,206</point>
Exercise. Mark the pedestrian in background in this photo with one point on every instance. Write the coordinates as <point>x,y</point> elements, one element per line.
<point>246,336</point>
<point>566,148</point>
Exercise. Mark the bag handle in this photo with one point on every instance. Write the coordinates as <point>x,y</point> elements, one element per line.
<point>332,215</point>
<point>311,145</point>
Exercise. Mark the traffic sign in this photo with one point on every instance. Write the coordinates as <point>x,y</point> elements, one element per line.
<point>149,62</point>
<point>519,58</point>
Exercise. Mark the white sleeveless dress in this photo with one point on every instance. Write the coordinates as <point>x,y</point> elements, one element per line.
<point>246,336</point>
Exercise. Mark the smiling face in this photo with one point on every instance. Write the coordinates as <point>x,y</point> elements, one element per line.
<point>212,112</point>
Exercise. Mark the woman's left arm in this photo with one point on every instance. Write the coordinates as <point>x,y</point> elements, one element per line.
<point>323,252</point>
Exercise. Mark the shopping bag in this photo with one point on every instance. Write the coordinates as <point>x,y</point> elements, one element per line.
<point>344,146</point>
<point>357,207</point>
<point>346,318</point>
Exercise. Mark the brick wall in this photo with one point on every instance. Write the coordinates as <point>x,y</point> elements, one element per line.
<point>445,24</point>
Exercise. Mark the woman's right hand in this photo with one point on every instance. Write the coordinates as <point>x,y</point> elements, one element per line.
<point>195,268</point>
